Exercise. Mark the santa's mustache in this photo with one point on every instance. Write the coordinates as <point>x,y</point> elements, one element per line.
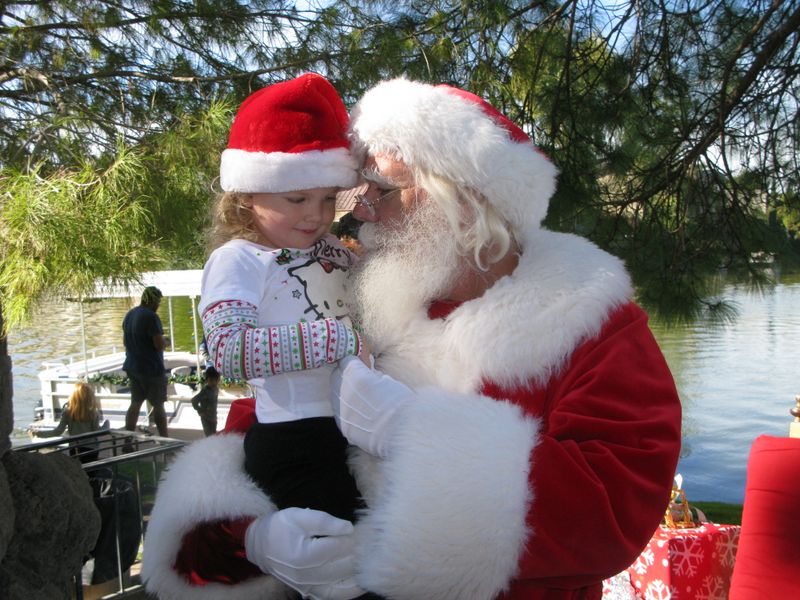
<point>406,266</point>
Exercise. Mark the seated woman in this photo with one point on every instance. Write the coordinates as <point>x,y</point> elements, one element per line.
<point>81,414</point>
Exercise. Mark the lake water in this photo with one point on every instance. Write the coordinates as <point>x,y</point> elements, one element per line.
<point>737,380</point>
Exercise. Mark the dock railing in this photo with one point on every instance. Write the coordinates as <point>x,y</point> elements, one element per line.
<point>78,357</point>
<point>123,468</point>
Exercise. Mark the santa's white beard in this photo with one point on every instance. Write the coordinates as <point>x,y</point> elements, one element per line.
<point>407,266</point>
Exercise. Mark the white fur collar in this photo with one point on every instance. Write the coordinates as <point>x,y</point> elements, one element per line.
<point>524,327</point>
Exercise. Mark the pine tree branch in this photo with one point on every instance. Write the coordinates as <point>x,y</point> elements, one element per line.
<point>168,17</point>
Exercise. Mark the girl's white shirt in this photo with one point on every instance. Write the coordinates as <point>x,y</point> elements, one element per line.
<point>286,285</point>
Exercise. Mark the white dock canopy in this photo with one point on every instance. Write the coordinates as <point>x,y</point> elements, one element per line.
<point>171,283</point>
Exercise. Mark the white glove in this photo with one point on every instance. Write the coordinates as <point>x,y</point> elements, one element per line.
<point>309,550</point>
<point>365,403</point>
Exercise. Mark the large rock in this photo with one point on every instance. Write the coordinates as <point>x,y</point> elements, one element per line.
<point>56,525</point>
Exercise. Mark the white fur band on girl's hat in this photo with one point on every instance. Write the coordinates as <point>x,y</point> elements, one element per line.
<point>455,134</point>
<point>289,136</point>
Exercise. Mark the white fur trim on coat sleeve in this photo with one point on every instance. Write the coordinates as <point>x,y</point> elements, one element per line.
<point>206,482</point>
<point>448,518</point>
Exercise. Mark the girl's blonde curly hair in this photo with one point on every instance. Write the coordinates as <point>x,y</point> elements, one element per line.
<point>231,219</point>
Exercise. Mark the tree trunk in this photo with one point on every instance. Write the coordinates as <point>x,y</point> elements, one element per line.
<point>6,392</point>
<point>8,515</point>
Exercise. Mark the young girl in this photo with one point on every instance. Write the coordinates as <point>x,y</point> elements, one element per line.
<point>81,414</point>
<point>273,302</point>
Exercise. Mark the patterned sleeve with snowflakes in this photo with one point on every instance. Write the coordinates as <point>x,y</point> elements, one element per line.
<point>242,350</point>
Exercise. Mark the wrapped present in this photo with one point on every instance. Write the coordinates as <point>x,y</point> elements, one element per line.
<point>688,558</point>
<point>690,562</point>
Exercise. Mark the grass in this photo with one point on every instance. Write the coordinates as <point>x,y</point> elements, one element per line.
<point>720,512</point>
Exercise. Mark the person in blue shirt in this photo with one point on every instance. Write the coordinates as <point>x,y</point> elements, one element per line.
<point>144,340</point>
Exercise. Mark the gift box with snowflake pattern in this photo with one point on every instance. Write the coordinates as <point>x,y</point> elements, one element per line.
<point>692,563</point>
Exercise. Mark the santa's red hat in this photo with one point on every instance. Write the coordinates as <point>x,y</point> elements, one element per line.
<point>456,134</point>
<point>289,136</point>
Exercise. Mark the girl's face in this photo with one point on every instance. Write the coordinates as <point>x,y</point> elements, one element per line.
<point>294,219</point>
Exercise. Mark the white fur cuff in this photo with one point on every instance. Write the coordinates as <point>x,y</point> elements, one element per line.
<point>449,518</point>
<point>206,482</point>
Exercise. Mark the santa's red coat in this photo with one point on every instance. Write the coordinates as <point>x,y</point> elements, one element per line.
<point>537,460</point>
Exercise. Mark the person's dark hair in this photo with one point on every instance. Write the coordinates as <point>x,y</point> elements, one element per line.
<point>211,373</point>
<point>151,296</point>
<point>347,226</point>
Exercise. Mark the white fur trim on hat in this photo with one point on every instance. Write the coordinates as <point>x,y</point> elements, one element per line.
<point>289,136</point>
<point>435,129</point>
<point>260,172</point>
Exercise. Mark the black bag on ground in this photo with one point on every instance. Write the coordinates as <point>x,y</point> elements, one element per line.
<point>106,490</point>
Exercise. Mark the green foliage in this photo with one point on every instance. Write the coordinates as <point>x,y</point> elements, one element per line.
<point>721,513</point>
<point>108,379</point>
<point>76,75</point>
<point>111,217</point>
<point>651,111</point>
<point>185,162</point>
<point>645,123</point>
<point>788,211</point>
<point>193,381</point>
<point>64,229</point>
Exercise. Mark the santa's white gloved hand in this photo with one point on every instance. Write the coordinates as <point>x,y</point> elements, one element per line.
<point>309,550</point>
<point>365,404</point>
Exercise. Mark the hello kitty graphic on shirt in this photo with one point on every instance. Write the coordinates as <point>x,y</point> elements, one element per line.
<point>320,281</point>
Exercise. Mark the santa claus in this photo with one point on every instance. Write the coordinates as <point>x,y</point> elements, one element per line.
<point>518,433</point>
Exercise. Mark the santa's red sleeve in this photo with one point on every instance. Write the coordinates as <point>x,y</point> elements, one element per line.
<point>536,488</point>
<point>603,468</point>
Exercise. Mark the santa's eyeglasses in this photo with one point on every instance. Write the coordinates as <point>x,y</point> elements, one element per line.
<point>371,176</point>
<point>362,200</point>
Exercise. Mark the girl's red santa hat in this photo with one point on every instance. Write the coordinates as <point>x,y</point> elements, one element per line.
<point>455,134</point>
<point>289,136</point>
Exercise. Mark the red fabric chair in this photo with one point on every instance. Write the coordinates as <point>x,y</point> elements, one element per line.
<point>768,559</point>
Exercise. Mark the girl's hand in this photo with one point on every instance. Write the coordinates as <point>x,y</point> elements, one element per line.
<point>365,353</point>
